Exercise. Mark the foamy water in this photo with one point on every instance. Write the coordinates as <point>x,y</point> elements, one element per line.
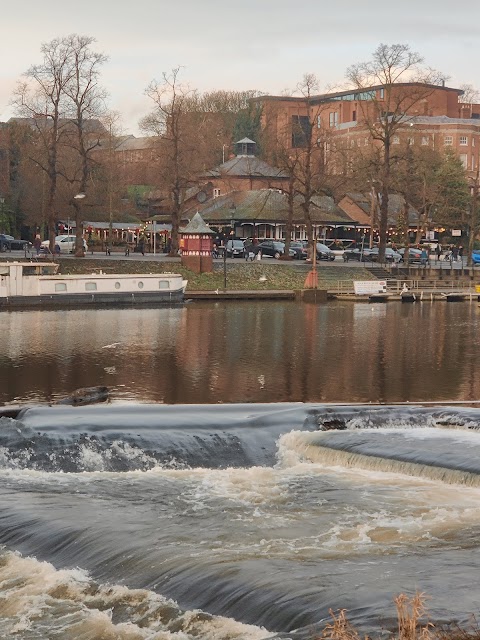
<point>117,530</point>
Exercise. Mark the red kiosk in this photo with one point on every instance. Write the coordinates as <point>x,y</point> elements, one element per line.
<point>196,243</point>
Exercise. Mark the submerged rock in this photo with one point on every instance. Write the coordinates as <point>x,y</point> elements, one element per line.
<point>88,395</point>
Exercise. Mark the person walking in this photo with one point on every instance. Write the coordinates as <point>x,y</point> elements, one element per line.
<point>424,257</point>
<point>455,253</point>
<point>438,251</point>
<point>141,245</point>
<point>37,243</point>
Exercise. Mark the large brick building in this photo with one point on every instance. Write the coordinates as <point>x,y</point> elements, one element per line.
<point>434,116</point>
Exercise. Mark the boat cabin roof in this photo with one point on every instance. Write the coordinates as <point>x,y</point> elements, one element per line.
<point>30,268</point>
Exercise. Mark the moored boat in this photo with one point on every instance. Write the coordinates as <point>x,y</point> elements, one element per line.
<point>35,284</point>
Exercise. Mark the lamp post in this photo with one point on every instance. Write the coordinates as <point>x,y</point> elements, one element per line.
<point>79,252</point>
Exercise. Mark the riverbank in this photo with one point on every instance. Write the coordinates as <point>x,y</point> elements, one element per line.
<point>239,276</point>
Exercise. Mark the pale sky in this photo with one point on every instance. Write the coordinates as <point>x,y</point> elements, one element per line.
<point>266,45</point>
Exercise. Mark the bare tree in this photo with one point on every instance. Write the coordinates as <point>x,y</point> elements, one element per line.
<point>41,98</point>
<point>60,96</point>
<point>392,88</point>
<point>470,94</point>
<point>86,102</point>
<point>171,123</point>
<point>308,154</point>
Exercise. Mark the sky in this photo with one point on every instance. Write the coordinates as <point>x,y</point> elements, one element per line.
<point>267,45</point>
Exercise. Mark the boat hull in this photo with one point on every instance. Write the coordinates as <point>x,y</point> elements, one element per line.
<point>125,299</point>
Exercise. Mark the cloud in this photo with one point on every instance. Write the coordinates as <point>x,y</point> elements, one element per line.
<point>260,44</point>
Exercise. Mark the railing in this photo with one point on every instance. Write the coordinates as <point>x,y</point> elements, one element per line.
<point>345,287</point>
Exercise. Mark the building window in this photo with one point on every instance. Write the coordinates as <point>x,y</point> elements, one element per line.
<point>301,131</point>
<point>354,115</point>
<point>425,141</point>
<point>366,142</point>
<point>410,141</point>
<point>463,159</point>
<point>319,122</point>
<point>463,140</point>
<point>216,193</point>
<point>448,141</point>
<point>395,140</point>
<point>333,119</point>
<point>473,163</point>
<point>90,286</point>
<point>381,94</point>
<point>473,141</point>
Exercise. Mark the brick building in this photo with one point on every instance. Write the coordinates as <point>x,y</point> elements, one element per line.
<point>4,160</point>
<point>434,116</point>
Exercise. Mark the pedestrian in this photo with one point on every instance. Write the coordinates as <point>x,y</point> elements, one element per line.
<point>460,252</point>
<point>37,243</point>
<point>141,245</point>
<point>424,257</point>
<point>438,251</point>
<point>455,253</point>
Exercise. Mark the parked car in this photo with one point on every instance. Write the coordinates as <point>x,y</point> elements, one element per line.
<point>274,249</point>
<point>300,250</point>
<point>390,255</point>
<point>476,256</point>
<point>361,255</point>
<point>235,249</point>
<point>339,246</point>
<point>324,253</point>
<point>5,242</point>
<point>414,255</point>
<point>18,244</point>
<point>66,243</point>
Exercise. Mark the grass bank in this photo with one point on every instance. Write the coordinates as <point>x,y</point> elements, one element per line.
<point>249,276</point>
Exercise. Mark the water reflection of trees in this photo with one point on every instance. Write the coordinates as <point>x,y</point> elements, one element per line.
<point>246,352</point>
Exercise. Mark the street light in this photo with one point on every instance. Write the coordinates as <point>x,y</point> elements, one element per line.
<point>79,252</point>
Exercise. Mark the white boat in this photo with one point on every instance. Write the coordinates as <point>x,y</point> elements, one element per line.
<point>35,284</point>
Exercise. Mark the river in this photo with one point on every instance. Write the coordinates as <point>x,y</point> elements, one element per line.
<point>225,491</point>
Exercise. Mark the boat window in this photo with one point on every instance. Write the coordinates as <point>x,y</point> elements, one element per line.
<point>117,285</point>
<point>164,284</point>
<point>90,286</point>
<point>140,285</point>
<point>60,286</point>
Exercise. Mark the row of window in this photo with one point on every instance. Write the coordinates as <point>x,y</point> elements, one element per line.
<point>92,286</point>
<point>447,140</point>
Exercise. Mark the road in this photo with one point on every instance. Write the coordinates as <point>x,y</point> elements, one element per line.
<point>162,257</point>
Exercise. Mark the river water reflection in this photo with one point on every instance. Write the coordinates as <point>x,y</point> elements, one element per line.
<point>245,352</point>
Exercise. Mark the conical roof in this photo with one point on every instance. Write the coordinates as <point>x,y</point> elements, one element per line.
<point>197,225</point>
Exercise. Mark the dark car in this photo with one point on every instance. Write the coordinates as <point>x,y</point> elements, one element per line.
<point>390,255</point>
<point>361,255</point>
<point>299,249</point>
<point>5,242</point>
<point>414,255</point>
<point>274,249</point>
<point>17,244</point>
<point>324,253</point>
<point>235,249</point>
